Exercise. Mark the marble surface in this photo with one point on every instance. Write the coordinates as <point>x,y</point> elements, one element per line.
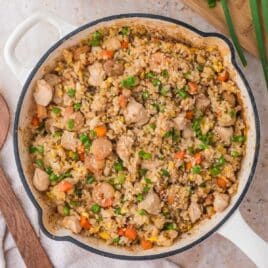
<point>215,251</point>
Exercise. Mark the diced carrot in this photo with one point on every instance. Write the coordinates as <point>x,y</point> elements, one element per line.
<point>189,115</point>
<point>124,44</point>
<point>198,158</point>
<point>131,233</point>
<point>107,54</point>
<point>100,131</point>
<point>193,87</point>
<point>35,121</point>
<point>41,112</point>
<point>84,222</point>
<point>146,244</point>
<point>65,186</point>
<point>221,182</point>
<point>224,76</point>
<point>81,156</point>
<point>170,199</point>
<point>179,155</point>
<point>80,149</point>
<point>188,166</point>
<point>121,231</point>
<point>122,100</point>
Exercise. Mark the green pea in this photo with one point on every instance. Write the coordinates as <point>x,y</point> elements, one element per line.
<point>196,169</point>
<point>239,138</point>
<point>130,82</point>
<point>235,154</point>
<point>214,171</point>
<point>165,173</point>
<point>70,124</point>
<point>117,210</point>
<point>149,75</point>
<point>169,226</point>
<point>71,92</point>
<point>156,82</point>
<point>77,106</point>
<point>145,95</point>
<point>118,166</point>
<point>143,171</point>
<point>139,197</point>
<point>147,180</point>
<point>146,189</point>
<point>116,240</point>
<point>163,91</point>
<point>56,110</point>
<point>95,208</point>
<point>141,212</point>
<point>124,31</point>
<point>182,93</point>
<point>164,73</point>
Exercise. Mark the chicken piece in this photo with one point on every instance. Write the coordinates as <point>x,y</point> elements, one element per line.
<point>40,180</point>
<point>52,79</point>
<point>202,102</point>
<point>112,43</point>
<point>78,120</point>
<point>225,134</point>
<point>113,68</point>
<point>194,212</point>
<point>69,140</point>
<point>43,93</point>
<point>151,203</point>
<point>135,113</point>
<point>72,223</point>
<point>123,147</point>
<point>180,121</point>
<point>101,148</point>
<point>97,74</point>
<point>229,97</point>
<point>94,165</point>
<point>226,120</point>
<point>221,201</point>
<point>103,194</point>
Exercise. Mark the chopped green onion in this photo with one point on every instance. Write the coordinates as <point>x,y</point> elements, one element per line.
<point>53,177</point>
<point>90,179</point>
<point>232,113</point>
<point>232,32</point>
<point>144,155</point>
<point>156,82</point>
<point>202,146</point>
<point>95,208</point>
<point>187,75</point>
<point>71,92</point>
<point>39,163</point>
<point>143,171</point>
<point>200,67</point>
<point>120,179</point>
<point>146,189</point>
<point>169,226</point>
<point>66,211</point>
<point>49,170</point>
<point>163,91</point>
<point>235,154</point>
<point>124,31</point>
<point>159,107</point>
<point>164,73</point>
<point>85,141</point>
<point>75,156</point>
<point>116,240</point>
<point>215,171</point>
<point>239,138</point>
<point>139,197</point>
<point>38,149</point>
<point>77,106</point>
<point>182,93</point>
<point>149,75</point>
<point>96,39</point>
<point>147,180</point>
<point>145,95</point>
<point>56,110</point>
<point>57,134</point>
<point>141,212</point>
<point>117,210</point>
<point>196,169</point>
<point>130,82</point>
<point>165,173</point>
<point>258,30</point>
<point>118,166</point>
<point>70,124</point>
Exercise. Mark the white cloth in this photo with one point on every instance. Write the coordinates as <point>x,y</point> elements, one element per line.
<point>62,254</point>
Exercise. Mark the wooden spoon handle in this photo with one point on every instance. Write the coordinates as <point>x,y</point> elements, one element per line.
<point>19,226</point>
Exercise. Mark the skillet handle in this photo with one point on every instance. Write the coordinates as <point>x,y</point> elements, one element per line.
<point>238,231</point>
<point>21,71</point>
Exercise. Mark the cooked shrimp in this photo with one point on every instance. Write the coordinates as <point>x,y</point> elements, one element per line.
<point>94,165</point>
<point>103,194</point>
<point>101,148</point>
<point>151,203</point>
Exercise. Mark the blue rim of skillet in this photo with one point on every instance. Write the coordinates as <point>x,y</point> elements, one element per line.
<point>27,188</point>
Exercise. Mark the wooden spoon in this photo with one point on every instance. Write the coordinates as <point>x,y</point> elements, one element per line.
<point>18,224</point>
